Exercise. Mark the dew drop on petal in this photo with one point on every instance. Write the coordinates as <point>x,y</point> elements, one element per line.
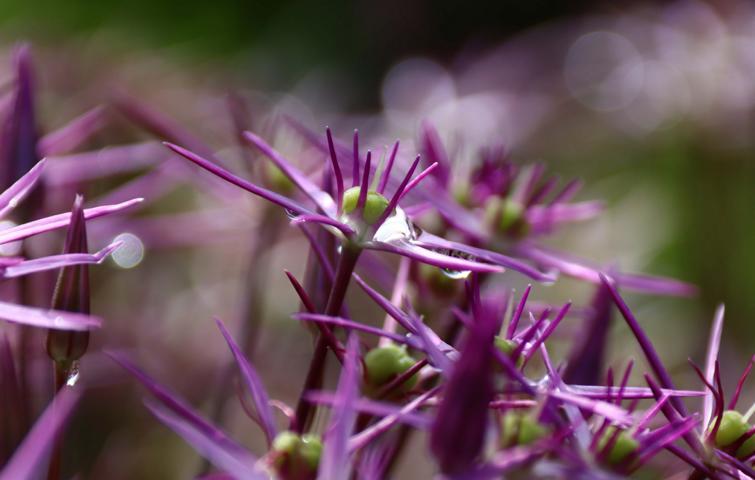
<point>395,228</point>
<point>73,375</point>
<point>131,251</point>
<point>455,274</point>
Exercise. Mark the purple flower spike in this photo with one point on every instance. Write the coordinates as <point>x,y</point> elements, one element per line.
<point>57,319</point>
<point>355,164</point>
<point>11,197</point>
<point>236,461</point>
<point>207,439</point>
<point>19,133</point>
<point>585,362</point>
<point>335,463</point>
<point>458,433</point>
<point>645,344</point>
<point>336,170</point>
<point>268,195</point>
<point>73,134</point>
<point>253,384</point>
<point>54,222</point>
<point>27,461</point>
<point>388,168</point>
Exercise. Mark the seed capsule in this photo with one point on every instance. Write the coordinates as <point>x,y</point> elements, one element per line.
<point>296,457</point>
<point>374,206</point>
<point>733,426</point>
<point>521,429</point>
<point>623,446</point>
<point>383,364</point>
<point>507,347</point>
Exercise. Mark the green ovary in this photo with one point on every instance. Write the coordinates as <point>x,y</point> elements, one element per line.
<point>374,205</point>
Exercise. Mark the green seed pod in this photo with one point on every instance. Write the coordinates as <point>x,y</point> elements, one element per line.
<point>296,457</point>
<point>277,180</point>
<point>512,219</point>
<point>733,426</point>
<point>383,364</point>
<point>507,347</point>
<point>747,448</point>
<point>624,445</point>
<point>374,205</point>
<point>520,429</point>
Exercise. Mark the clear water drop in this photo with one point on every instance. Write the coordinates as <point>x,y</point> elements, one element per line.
<point>73,375</point>
<point>395,228</point>
<point>455,274</point>
<point>451,273</point>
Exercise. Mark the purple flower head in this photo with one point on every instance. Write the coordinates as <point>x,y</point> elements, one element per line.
<point>458,432</point>
<point>366,218</point>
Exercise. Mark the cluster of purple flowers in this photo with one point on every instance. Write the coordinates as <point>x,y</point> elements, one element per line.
<point>461,358</point>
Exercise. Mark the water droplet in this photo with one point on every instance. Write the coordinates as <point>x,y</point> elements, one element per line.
<point>451,273</point>
<point>291,214</point>
<point>455,274</point>
<point>73,375</point>
<point>130,253</point>
<point>396,227</point>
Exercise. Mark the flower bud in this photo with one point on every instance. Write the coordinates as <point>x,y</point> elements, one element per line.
<point>374,206</point>
<point>383,364</point>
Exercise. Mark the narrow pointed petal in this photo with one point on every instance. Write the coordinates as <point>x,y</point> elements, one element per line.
<point>373,407</point>
<point>237,462</point>
<point>308,187</point>
<point>435,152</point>
<point>430,257</point>
<point>57,319</point>
<point>458,433</point>
<point>11,197</point>
<point>656,365</point>
<point>177,406</point>
<point>432,241</point>
<point>350,324</point>
<point>388,168</point>
<point>54,222</point>
<point>336,169</point>
<point>77,167</point>
<point>253,384</point>
<point>324,220</point>
<point>583,270</point>
<point>60,261</point>
<point>18,149</point>
<point>159,124</point>
<point>585,361</point>
<point>714,342</point>
<point>363,438</point>
<point>73,134</point>
<point>27,462</point>
<point>268,195</point>
<point>335,464</point>
<point>393,203</point>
